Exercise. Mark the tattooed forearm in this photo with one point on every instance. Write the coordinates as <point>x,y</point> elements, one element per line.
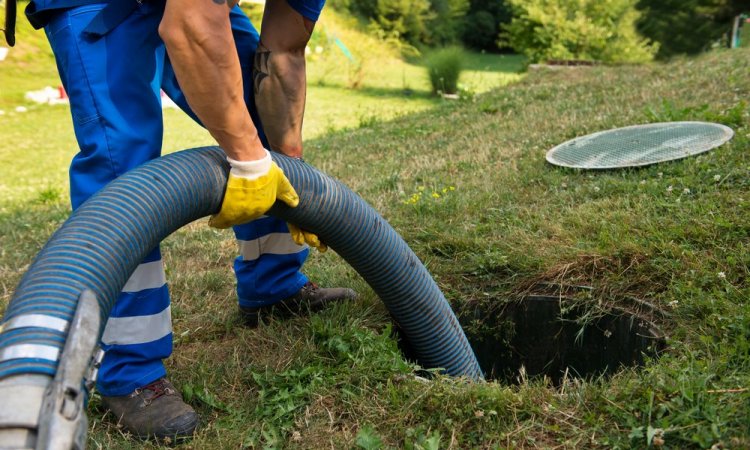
<point>260,67</point>
<point>279,82</point>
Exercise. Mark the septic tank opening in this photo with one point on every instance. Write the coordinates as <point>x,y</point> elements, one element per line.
<point>548,336</point>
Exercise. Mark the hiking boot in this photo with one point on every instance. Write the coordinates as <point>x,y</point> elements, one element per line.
<point>154,411</point>
<point>309,299</point>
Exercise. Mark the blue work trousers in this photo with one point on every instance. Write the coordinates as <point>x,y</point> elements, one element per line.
<point>114,83</point>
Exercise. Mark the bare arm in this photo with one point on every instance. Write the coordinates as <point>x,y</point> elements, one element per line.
<point>279,76</point>
<point>201,48</point>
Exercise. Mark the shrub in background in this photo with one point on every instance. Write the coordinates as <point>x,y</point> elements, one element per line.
<point>590,30</point>
<point>444,68</point>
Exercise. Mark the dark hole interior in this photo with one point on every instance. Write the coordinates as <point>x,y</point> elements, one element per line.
<point>548,339</point>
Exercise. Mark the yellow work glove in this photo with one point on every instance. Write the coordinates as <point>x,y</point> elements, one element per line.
<point>301,237</point>
<point>253,187</point>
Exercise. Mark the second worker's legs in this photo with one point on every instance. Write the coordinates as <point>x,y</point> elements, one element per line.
<point>268,268</point>
<point>269,279</point>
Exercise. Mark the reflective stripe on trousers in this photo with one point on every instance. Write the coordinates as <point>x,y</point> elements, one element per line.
<point>114,87</point>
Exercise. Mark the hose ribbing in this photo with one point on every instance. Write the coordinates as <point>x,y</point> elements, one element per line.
<point>104,240</point>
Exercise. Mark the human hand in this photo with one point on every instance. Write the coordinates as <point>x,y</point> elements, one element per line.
<point>252,189</point>
<point>301,237</point>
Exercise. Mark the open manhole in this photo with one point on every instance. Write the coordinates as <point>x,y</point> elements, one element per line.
<point>545,336</point>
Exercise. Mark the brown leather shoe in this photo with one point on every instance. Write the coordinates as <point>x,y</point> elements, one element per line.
<point>154,411</point>
<point>310,298</point>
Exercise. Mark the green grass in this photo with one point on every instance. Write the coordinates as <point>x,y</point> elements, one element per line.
<point>674,234</point>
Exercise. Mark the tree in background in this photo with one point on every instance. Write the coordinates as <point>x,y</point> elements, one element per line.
<point>402,19</point>
<point>447,26</point>
<point>416,22</point>
<point>565,29</point>
<point>687,26</point>
<point>590,30</point>
<point>482,22</point>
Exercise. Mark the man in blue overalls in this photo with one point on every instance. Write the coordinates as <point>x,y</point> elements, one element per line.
<point>113,59</point>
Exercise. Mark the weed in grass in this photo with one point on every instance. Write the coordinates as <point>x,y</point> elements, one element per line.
<point>345,352</point>
<point>735,116</point>
<point>466,93</point>
<point>488,108</point>
<point>367,120</point>
<point>421,440</point>
<point>280,397</point>
<point>368,439</point>
<point>193,394</point>
<point>424,194</point>
<point>50,195</point>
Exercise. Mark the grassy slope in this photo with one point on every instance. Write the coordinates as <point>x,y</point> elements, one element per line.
<point>513,221</point>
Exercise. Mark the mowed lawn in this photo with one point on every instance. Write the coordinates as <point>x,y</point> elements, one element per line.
<point>466,184</point>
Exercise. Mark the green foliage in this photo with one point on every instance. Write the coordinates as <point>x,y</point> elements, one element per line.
<point>590,30</point>
<point>280,396</point>
<point>340,347</point>
<point>418,22</point>
<point>348,344</point>
<point>444,68</point>
<point>52,194</point>
<point>480,30</point>
<point>482,22</point>
<point>422,442</point>
<point>402,19</point>
<point>202,395</point>
<point>363,8</point>
<point>368,439</point>
<point>447,25</point>
<point>687,26</point>
<point>339,5</point>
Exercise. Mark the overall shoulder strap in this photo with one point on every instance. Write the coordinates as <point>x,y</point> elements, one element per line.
<point>10,22</point>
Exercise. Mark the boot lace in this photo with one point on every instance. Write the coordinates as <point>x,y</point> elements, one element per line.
<point>310,286</point>
<point>158,389</point>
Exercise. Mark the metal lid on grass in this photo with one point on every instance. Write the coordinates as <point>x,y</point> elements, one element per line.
<point>639,145</point>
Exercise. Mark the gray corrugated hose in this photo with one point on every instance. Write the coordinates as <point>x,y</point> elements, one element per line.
<point>105,239</point>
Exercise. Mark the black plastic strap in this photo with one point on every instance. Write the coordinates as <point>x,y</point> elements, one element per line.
<point>10,22</point>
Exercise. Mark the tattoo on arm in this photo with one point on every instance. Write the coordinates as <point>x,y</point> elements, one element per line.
<point>220,2</point>
<point>260,67</point>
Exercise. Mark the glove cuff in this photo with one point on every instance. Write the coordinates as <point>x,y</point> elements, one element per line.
<point>250,170</point>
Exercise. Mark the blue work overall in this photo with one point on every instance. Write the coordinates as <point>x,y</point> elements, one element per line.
<point>114,82</point>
